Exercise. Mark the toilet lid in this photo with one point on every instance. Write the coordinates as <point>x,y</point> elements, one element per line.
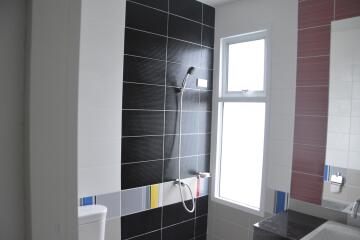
<point>91,213</point>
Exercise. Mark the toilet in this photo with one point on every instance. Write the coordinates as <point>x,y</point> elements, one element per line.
<point>91,220</point>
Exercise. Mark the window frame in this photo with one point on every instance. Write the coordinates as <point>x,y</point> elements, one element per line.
<point>220,96</point>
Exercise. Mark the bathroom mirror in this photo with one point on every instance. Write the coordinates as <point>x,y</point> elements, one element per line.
<point>342,165</point>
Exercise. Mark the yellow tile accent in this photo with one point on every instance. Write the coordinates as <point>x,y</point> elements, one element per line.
<point>154,196</point>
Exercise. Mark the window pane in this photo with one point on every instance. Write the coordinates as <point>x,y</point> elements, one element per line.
<point>242,153</point>
<point>246,66</point>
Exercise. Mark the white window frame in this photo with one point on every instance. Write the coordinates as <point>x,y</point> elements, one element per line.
<point>221,95</point>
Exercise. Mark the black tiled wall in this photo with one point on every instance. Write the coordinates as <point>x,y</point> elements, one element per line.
<point>163,38</point>
<point>170,222</point>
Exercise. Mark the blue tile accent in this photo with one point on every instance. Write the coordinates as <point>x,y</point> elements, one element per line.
<point>87,201</point>
<point>326,173</point>
<point>280,201</point>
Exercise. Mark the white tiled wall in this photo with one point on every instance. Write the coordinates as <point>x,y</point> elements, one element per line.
<point>343,139</point>
<point>100,96</point>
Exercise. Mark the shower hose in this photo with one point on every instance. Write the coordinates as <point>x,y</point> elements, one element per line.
<point>179,182</point>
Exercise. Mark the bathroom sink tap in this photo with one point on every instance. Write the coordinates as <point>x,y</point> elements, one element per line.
<point>355,208</point>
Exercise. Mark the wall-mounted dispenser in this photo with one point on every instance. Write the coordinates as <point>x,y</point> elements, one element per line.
<point>336,182</point>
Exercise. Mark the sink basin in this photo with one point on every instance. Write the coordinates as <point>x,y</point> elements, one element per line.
<point>334,231</point>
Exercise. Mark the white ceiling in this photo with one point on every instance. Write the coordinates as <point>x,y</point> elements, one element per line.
<point>216,2</point>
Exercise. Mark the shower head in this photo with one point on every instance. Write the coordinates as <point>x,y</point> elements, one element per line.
<point>189,72</point>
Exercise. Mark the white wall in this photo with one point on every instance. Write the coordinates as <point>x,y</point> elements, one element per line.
<point>12,87</point>
<point>279,17</point>
<point>100,96</point>
<point>53,90</point>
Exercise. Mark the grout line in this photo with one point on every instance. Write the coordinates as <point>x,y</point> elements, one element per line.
<point>313,56</point>
<point>191,20</point>
<point>157,110</point>
<point>172,225</point>
<point>144,161</point>
<point>313,116</point>
<point>160,10</point>
<point>143,234</point>
<point>144,31</point>
<point>149,58</point>
<point>170,86</point>
<point>164,120</point>
<point>311,86</point>
<point>189,134</point>
<point>161,60</point>
<point>165,159</point>
<point>309,145</point>
<point>308,174</point>
<point>166,36</point>
<point>318,26</point>
<point>198,127</point>
<point>170,13</point>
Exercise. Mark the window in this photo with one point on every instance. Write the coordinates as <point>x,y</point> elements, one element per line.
<point>240,126</point>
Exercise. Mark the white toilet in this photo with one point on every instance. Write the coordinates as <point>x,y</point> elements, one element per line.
<point>92,220</point>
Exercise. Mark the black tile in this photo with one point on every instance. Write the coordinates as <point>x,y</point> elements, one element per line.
<point>205,101</point>
<point>141,174</point>
<point>171,146</point>
<point>190,99</point>
<point>140,96</point>
<point>176,73</point>
<point>208,15</point>
<point>184,29</point>
<point>183,52</point>
<point>171,171</point>
<point>145,44</point>
<point>137,149</point>
<point>207,56</point>
<point>186,8</point>
<point>190,122</point>
<point>149,236</point>
<point>175,213</point>
<point>189,145</point>
<point>208,36</point>
<point>188,168</point>
<point>203,237</point>
<point>143,70</point>
<point>200,226</point>
<point>159,4</point>
<point>140,223</point>
<point>204,143</point>
<point>183,231</point>
<point>151,20</point>
<point>202,205</point>
<point>204,163</point>
<point>204,122</point>
<point>139,123</point>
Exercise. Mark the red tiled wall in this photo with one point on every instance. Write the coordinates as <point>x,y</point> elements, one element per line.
<point>312,87</point>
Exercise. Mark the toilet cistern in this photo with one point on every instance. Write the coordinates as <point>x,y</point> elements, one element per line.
<point>91,221</point>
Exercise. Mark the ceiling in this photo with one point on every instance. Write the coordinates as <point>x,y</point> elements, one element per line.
<point>216,2</point>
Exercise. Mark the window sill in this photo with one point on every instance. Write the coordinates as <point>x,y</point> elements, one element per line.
<point>256,212</point>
